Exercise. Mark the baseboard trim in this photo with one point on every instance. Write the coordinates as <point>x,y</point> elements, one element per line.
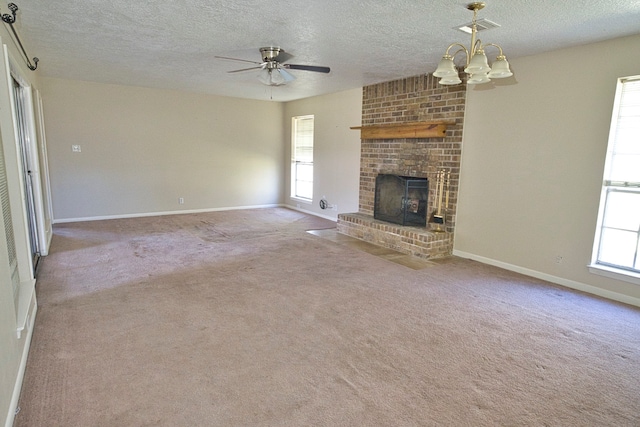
<point>25,300</point>
<point>17,388</point>
<point>147,214</point>
<point>330,218</point>
<point>579,286</point>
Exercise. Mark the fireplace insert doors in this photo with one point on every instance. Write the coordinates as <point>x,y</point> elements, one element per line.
<point>401,199</point>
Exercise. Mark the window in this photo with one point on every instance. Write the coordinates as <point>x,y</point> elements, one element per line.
<point>302,158</point>
<point>618,233</point>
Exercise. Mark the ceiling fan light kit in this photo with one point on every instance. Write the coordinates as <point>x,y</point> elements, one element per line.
<point>275,76</point>
<point>273,70</point>
<point>477,66</point>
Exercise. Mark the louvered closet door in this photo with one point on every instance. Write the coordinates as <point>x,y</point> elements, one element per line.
<point>8,228</point>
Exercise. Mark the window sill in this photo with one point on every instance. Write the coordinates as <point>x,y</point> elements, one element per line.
<point>615,273</point>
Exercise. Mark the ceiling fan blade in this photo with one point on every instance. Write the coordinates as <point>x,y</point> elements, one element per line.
<point>315,68</point>
<point>246,69</point>
<point>237,59</point>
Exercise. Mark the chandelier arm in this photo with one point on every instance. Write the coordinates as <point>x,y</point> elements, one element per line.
<point>496,46</point>
<point>476,47</point>
<point>462,48</point>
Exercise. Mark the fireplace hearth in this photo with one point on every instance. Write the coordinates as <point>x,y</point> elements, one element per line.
<point>401,199</point>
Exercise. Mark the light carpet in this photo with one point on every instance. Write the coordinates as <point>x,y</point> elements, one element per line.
<point>241,318</point>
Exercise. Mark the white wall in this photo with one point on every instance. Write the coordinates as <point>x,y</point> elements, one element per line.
<point>532,164</point>
<point>336,150</point>
<point>143,149</point>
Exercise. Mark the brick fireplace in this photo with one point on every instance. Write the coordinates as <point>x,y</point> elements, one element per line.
<point>403,102</point>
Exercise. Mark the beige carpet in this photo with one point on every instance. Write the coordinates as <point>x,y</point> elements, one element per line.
<point>244,319</point>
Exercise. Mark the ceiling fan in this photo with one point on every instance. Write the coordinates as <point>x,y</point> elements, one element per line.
<point>273,70</point>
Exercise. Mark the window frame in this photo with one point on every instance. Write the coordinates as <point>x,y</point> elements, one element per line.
<point>609,186</point>
<point>295,162</point>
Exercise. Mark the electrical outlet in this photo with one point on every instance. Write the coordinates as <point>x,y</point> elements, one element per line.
<point>334,207</point>
<point>181,201</point>
<point>559,259</point>
<point>76,148</point>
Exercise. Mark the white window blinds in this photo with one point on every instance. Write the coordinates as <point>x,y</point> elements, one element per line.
<point>624,154</point>
<point>302,157</point>
<point>304,139</point>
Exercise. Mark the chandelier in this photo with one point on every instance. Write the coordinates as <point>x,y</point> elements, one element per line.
<point>476,61</point>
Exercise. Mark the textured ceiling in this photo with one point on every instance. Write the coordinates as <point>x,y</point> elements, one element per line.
<point>172,44</point>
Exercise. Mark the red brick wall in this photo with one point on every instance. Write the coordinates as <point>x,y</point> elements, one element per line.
<point>407,100</point>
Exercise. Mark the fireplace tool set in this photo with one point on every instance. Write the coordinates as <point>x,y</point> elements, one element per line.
<point>442,190</point>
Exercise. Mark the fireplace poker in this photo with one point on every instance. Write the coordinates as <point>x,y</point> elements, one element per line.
<point>446,199</point>
<point>438,218</point>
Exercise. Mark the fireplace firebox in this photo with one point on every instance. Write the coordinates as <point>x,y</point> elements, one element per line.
<point>401,199</point>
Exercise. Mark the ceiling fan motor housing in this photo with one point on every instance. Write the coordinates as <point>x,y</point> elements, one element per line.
<point>270,54</point>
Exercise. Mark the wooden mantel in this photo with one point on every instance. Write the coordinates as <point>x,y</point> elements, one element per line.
<point>433,129</point>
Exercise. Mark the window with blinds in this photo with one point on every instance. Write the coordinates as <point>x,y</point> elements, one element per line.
<point>8,228</point>
<point>302,158</point>
<point>618,234</point>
